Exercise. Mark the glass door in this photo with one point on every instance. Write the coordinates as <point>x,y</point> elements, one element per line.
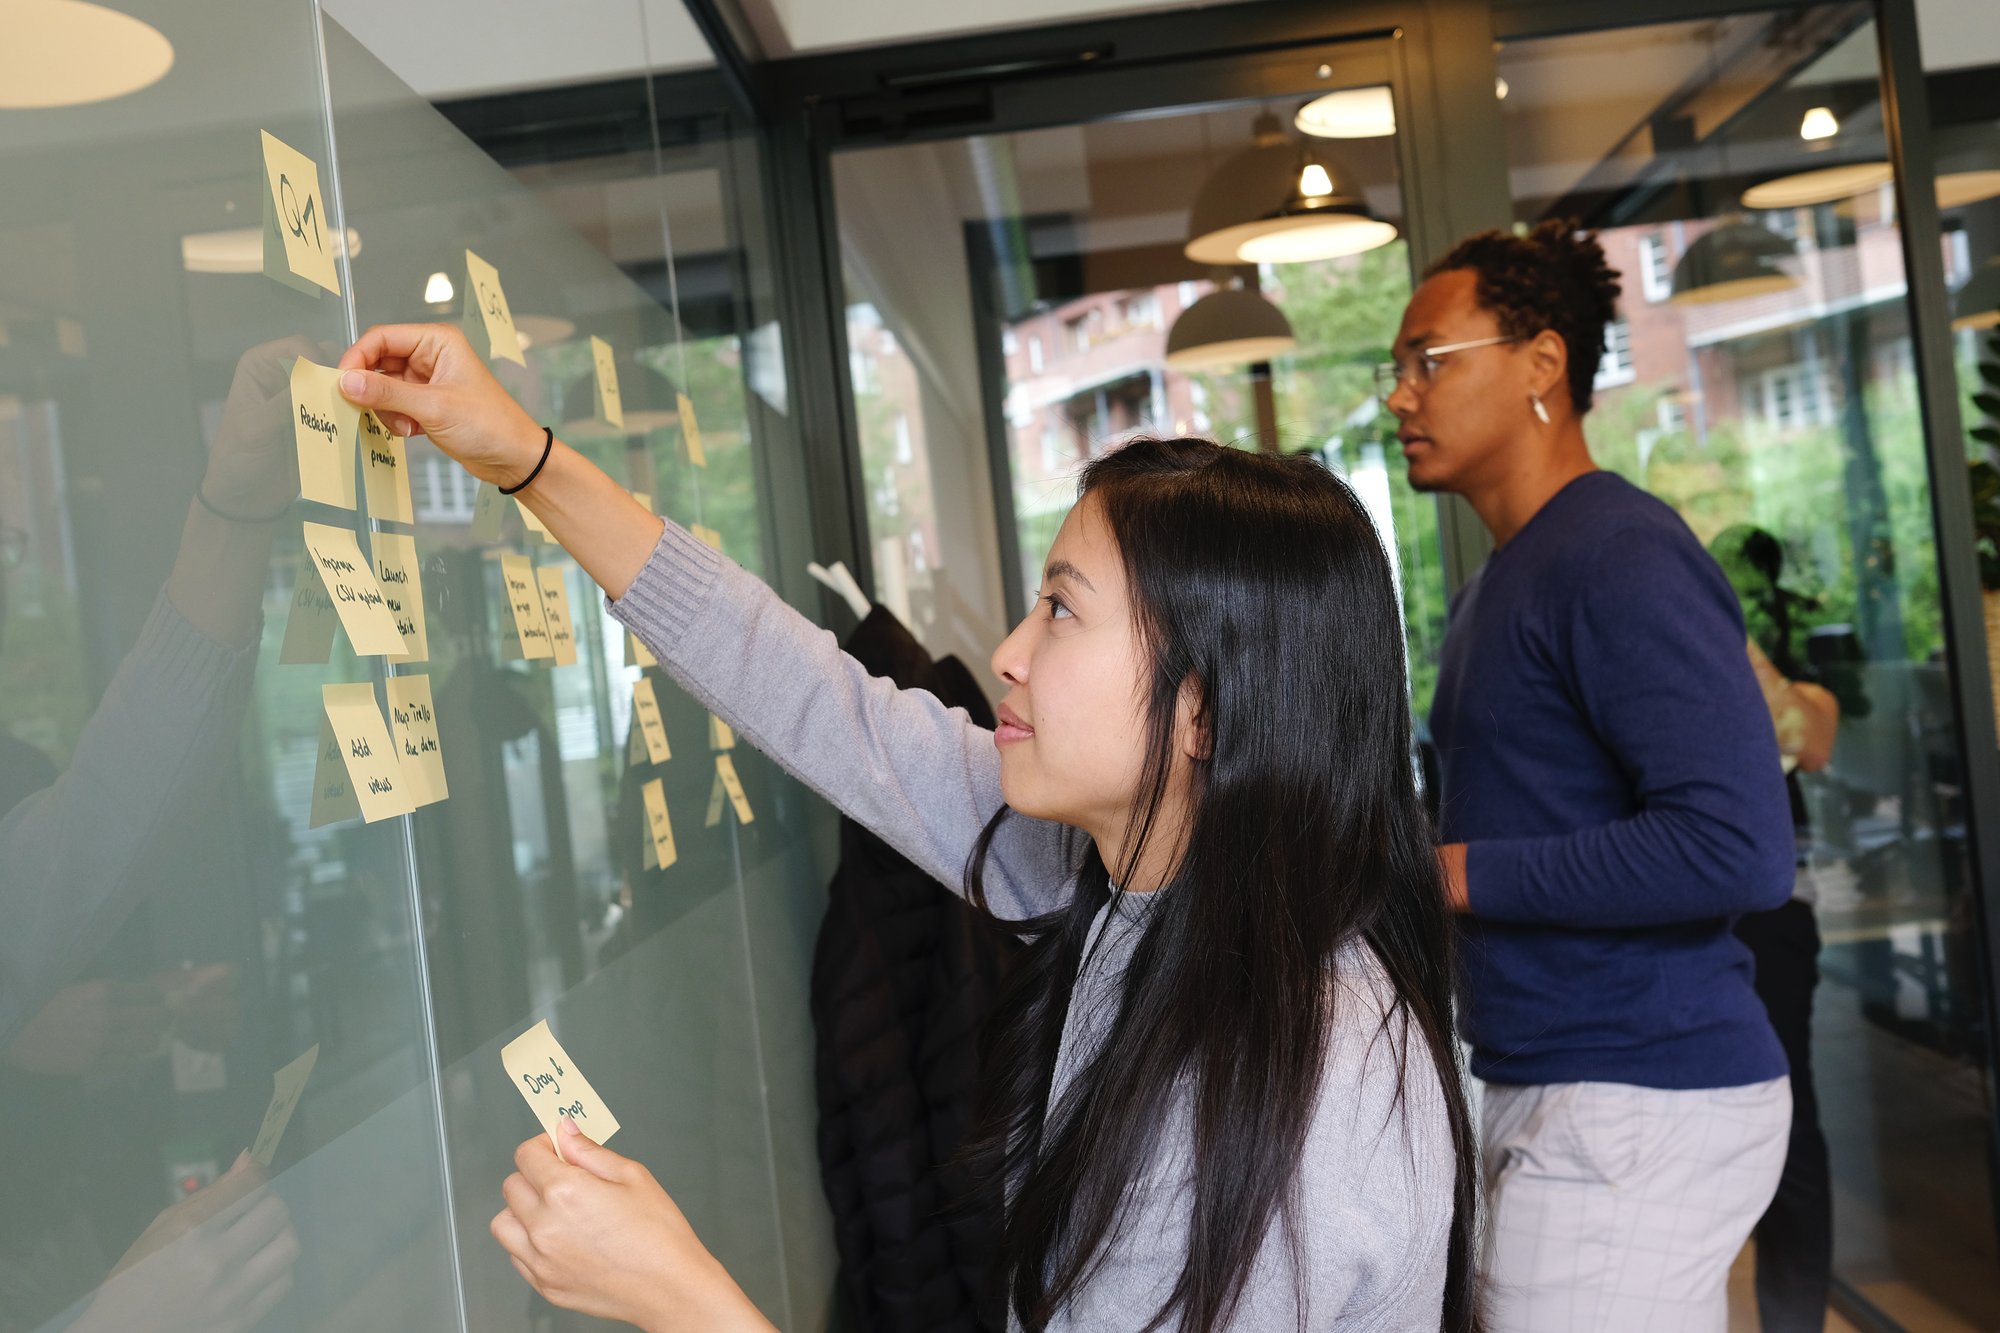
<point>1218,249</point>
<point>1761,379</point>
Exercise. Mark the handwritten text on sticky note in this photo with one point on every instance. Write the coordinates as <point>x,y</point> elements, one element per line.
<point>413,726</point>
<point>646,717</point>
<point>493,317</point>
<point>324,425</point>
<point>372,767</point>
<point>288,1085</point>
<point>351,587</point>
<point>554,1087</point>
<point>524,601</point>
<point>296,220</point>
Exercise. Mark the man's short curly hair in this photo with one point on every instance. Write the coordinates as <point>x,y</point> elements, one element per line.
<point>1556,278</point>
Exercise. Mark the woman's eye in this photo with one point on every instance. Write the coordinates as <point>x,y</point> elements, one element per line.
<point>1057,610</point>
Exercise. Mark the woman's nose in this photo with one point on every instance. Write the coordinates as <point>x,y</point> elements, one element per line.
<point>1010,659</point>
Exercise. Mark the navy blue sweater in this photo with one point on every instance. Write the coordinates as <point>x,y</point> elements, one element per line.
<point>1608,759</point>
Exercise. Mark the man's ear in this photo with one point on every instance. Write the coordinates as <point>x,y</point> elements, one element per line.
<point>1192,736</point>
<point>1548,367</point>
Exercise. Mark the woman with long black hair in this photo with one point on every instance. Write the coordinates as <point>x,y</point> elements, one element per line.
<point>1226,1093</point>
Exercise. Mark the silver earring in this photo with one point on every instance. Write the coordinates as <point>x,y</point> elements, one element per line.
<point>1541,413</point>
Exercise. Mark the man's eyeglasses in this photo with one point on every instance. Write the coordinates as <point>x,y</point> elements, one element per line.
<point>1418,371</point>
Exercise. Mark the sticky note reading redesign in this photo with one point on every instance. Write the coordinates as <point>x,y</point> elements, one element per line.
<point>297,232</point>
<point>385,472</point>
<point>555,1089</point>
<point>691,430</point>
<point>646,718</point>
<point>396,569</point>
<point>659,828</point>
<point>324,425</point>
<point>288,1085</point>
<point>413,726</point>
<point>524,598</point>
<point>351,587</point>
<point>493,318</point>
<point>555,610</point>
<point>610,407</point>
<point>372,768</point>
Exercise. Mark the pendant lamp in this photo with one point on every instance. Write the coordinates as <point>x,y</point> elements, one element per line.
<point>1735,260</point>
<point>1232,326</point>
<point>1275,203</point>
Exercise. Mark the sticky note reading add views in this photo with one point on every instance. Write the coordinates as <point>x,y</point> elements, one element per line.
<point>324,425</point>
<point>555,1089</point>
<point>374,774</point>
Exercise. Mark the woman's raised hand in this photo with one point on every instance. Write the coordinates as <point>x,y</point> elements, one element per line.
<point>425,379</point>
<point>597,1234</point>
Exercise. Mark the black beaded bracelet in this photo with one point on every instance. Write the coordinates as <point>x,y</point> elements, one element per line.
<point>548,443</point>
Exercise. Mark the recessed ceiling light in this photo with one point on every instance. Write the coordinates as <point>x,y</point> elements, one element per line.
<point>68,53</point>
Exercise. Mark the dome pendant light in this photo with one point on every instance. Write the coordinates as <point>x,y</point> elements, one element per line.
<point>1736,260</point>
<point>1271,204</point>
<point>1232,326</point>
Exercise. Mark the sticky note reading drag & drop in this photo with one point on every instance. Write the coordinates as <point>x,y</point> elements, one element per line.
<point>555,1089</point>
<point>555,610</point>
<point>524,599</point>
<point>413,725</point>
<point>385,472</point>
<point>288,1085</point>
<point>298,240</point>
<point>646,717</point>
<point>324,425</point>
<point>489,321</point>
<point>659,828</point>
<point>401,578</point>
<point>610,407</point>
<point>351,587</point>
<point>372,768</point>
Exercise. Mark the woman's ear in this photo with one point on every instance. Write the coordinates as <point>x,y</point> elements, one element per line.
<point>1192,736</point>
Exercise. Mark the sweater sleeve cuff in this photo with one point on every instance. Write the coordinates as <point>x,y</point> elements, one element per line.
<point>180,657</point>
<point>664,599</point>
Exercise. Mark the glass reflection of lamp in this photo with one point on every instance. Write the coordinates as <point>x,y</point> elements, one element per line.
<point>67,53</point>
<point>1821,185</point>
<point>1735,260</point>
<point>1231,326</point>
<point>1976,304</point>
<point>1350,113</point>
<point>1273,203</point>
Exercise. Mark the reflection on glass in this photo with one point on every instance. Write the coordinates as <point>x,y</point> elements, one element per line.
<point>1760,379</point>
<point>1030,307</point>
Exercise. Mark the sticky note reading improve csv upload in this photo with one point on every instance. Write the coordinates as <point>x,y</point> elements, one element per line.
<point>324,424</point>
<point>554,1087</point>
<point>288,1085</point>
<point>351,587</point>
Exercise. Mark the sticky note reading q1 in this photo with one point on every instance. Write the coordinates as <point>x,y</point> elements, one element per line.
<point>297,248</point>
<point>493,318</point>
<point>554,1087</point>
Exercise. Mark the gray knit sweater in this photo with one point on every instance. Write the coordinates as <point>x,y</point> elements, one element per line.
<point>1376,1179</point>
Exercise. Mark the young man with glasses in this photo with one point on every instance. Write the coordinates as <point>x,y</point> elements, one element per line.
<point>1611,801</point>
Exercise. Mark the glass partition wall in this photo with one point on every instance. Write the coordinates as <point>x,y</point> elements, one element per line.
<point>209,951</point>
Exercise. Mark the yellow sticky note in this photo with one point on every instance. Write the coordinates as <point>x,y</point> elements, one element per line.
<point>324,425</point>
<point>554,1087</point>
<point>720,735</point>
<point>691,431</point>
<point>725,774</point>
<point>610,408</point>
<point>638,654</point>
<point>524,599</point>
<point>635,744</point>
<point>555,610</point>
<point>350,584</point>
<point>413,726</point>
<point>295,219</point>
<point>333,800</point>
<point>288,1085</point>
<point>645,501</point>
<point>483,293</point>
<point>659,828</point>
<point>310,624</point>
<point>365,747</point>
<point>533,522</point>
<point>385,472</point>
<point>646,716</point>
<point>708,537</point>
<point>401,579</point>
<point>488,506</point>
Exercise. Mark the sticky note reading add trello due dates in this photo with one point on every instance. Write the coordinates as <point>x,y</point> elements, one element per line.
<point>554,1087</point>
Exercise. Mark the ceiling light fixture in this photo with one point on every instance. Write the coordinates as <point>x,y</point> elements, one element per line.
<point>1819,123</point>
<point>1268,205</point>
<point>1735,260</point>
<point>1822,185</point>
<point>68,53</point>
<point>438,289</point>
<point>1351,113</point>
<point>1230,327</point>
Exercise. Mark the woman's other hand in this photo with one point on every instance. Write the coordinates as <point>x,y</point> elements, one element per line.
<point>598,1235</point>
<point>426,379</point>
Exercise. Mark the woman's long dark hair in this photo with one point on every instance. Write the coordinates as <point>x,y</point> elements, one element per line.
<point>1260,581</point>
